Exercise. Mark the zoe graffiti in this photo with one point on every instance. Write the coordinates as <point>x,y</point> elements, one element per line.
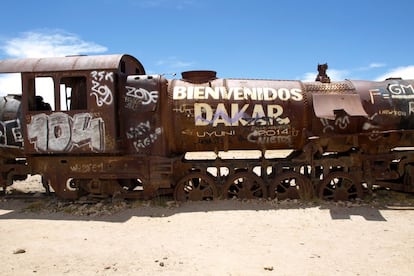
<point>141,95</point>
<point>61,132</point>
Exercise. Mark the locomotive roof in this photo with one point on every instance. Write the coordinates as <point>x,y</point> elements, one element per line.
<point>68,63</point>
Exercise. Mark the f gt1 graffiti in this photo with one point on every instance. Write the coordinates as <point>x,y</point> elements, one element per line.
<point>61,132</point>
<point>11,134</point>
<point>143,135</point>
<point>398,90</point>
<point>100,88</point>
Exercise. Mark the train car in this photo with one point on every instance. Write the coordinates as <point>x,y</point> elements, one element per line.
<point>100,126</point>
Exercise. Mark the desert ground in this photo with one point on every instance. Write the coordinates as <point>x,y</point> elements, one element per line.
<point>225,237</point>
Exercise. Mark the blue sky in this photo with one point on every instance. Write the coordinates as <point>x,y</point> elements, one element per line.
<point>272,39</point>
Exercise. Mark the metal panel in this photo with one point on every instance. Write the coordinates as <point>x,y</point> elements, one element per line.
<point>140,122</point>
<point>326,104</point>
<point>231,114</point>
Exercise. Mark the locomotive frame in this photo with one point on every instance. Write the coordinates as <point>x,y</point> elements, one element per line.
<point>113,130</point>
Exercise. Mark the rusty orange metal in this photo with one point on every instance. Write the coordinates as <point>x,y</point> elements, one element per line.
<point>100,126</point>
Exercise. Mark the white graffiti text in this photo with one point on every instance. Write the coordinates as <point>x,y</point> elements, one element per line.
<point>60,132</point>
<point>100,88</point>
<point>236,93</point>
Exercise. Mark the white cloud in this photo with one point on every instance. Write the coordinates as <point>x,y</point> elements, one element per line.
<point>174,63</point>
<point>406,72</point>
<point>371,66</point>
<point>10,84</point>
<point>42,44</point>
<point>309,76</point>
<point>56,43</point>
<point>376,65</point>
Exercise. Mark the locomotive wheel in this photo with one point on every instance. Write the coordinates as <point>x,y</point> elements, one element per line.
<point>291,185</point>
<point>130,185</point>
<point>245,185</point>
<point>95,187</point>
<point>195,187</point>
<point>340,186</point>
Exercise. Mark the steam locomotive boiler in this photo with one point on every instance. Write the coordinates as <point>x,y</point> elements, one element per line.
<point>100,126</point>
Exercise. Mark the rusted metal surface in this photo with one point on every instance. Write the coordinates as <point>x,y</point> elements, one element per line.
<point>141,121</point>
<point>226,114</point>
<point>85,118</point>
<point>105,128</point>
<point>200,76</point>
<point>340,186</point>
<point>71,63</point>
<point>10,131</point>
<point>291,185</point>
<point>326,106</point>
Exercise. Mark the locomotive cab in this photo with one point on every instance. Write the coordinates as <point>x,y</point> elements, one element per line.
<point>70,104</point>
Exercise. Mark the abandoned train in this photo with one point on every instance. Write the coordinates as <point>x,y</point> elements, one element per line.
<point>110,129</point>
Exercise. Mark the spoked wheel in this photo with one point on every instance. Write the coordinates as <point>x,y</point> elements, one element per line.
<point>340,186</point>
<point>245,185</point>
<point>196,186</point>
<point>291,185</point>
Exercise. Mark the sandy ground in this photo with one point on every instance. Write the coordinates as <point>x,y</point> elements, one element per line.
<point>208,238</point>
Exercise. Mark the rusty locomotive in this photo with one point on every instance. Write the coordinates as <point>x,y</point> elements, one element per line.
<point>110,129</point>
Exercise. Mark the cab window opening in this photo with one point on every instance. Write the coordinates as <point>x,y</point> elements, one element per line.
<point>42,94</point>
<point>73,93</point>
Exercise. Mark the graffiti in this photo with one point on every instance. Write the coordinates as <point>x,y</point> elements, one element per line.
<point>235,114</point>
<point>326,125</point>
<point>272,136</point>
<point>143,135</point>
<point>100,88</point>
<point>410,108</point>
<point>401,91</point>
<point>394,91</point>
<point>370,123</point>
<point>185,108</point>
<point>206,115</point>
<point>342,122</point>
<point>11,134</point>
<point>142,95</point>
<point>268,121</point>
<point>392,112</point>
<point>187,132</point>
<point>87,168</point>
<point>102,75</point>
<point>372,93</point>
<point>215,133</point>
<point>236,93</point>
<point>60,132</point>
